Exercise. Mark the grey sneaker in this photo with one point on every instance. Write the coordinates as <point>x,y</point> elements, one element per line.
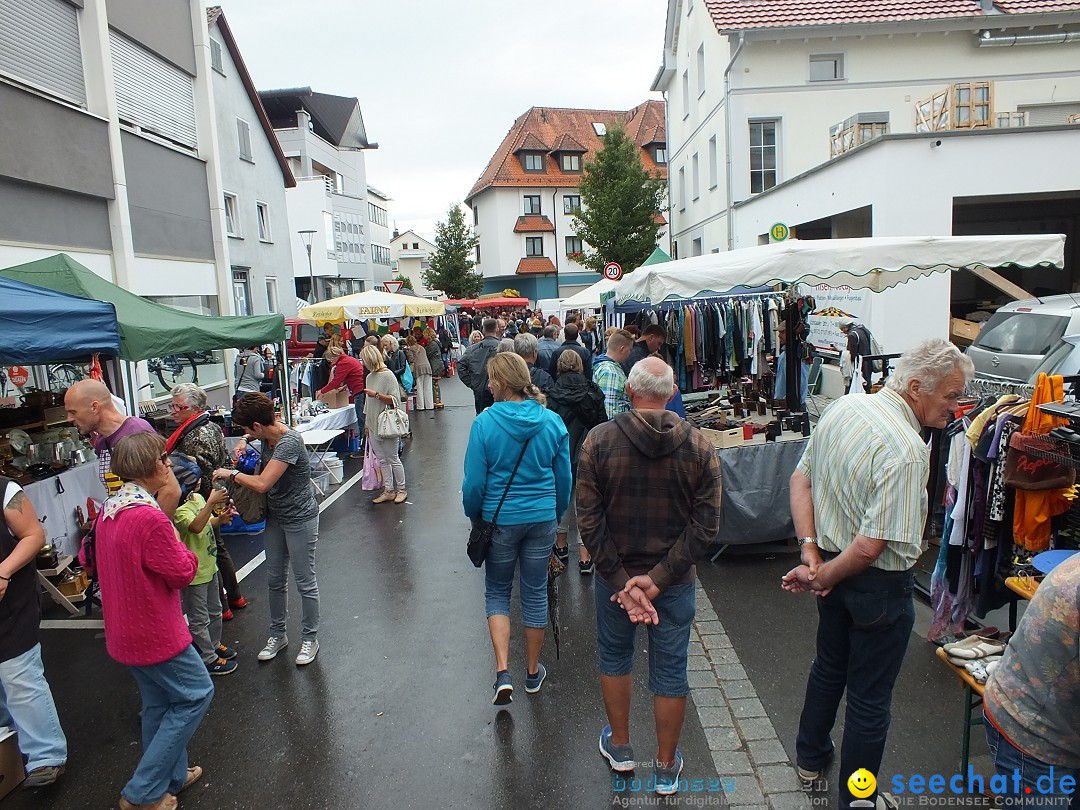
<point>619,757</point>
<point>40,777</point>
<point>667,779</point>
<point>533,682</point>
<point>309,648</point>
<point>504,689</point>
<point>274,645</point>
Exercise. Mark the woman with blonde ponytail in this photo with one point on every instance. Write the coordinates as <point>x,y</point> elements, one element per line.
<point>517,432</point>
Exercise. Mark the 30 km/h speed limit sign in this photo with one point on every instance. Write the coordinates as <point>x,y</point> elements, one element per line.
<point>612,271</point>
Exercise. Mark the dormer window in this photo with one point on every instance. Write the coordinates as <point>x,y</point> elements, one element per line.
<point>660,155</point>
<point>571,163</point>
<point>569,153</point>
<point>532,162</point>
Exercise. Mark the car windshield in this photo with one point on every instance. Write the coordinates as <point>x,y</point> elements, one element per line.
<point>1052,363</point>
<point>1021,333</point>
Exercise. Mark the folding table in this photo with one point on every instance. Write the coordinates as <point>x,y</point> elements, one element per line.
<point>318,444</point>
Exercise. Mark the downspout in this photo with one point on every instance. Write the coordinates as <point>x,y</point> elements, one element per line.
<point>555,225</point>
<point>727,140</point>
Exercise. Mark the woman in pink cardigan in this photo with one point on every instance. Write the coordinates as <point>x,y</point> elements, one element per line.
<point>142,567</point>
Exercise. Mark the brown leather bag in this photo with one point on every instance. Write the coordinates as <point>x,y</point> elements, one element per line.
<point>1026,466</point>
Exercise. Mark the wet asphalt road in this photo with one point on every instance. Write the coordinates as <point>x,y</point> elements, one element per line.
<point>396,711</point>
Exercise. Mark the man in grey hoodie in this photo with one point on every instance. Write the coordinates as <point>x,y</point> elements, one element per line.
<point>472,368</point>
<point>248,371</point>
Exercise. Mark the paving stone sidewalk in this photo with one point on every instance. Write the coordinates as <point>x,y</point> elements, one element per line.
<point>741,737</point>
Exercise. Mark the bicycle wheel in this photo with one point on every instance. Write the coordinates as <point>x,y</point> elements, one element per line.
<point>175,369</point>
<point>63,376</point>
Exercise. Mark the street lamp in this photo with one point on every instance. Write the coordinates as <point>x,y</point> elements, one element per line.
<point>305,237</point>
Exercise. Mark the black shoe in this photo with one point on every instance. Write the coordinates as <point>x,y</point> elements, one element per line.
<point>562,553</point>
<point>585,567</point>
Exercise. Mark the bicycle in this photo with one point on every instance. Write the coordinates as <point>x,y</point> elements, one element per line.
<point>174,369</point>
<point>63,376</point>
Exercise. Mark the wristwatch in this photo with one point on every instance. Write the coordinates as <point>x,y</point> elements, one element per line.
<point>807,540</point>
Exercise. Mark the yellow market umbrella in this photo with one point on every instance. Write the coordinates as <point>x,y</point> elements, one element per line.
<point>370,304</point>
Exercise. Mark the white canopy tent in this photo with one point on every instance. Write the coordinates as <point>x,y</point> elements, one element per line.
<point>370,304</point>
<point>589,298</point>
<point>875,263</point>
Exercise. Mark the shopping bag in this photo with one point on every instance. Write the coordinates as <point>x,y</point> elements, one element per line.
<point>407,380</point>
<point>393,422</point>
<point>858,385</point>
<point>372,477</point>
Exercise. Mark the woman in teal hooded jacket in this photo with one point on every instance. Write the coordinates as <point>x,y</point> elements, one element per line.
<point>517,426</point>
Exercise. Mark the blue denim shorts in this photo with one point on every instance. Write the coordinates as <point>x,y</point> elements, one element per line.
<point>525,547</point>
<point>669,641</point>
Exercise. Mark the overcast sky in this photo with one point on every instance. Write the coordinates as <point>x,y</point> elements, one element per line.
<point>441,81</point>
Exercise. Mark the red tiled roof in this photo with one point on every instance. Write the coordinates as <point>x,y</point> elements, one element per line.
<point>548,124</point>
<point>566,143</point>
<point>534,223</point>
<point>734,15</point>
<point>658,218</point>
<point>1033,6</point>
<point>530,143</point>
<point>536,264</point>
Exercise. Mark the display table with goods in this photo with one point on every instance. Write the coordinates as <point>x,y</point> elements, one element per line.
<point>759,448</point>
<point>329,419</point>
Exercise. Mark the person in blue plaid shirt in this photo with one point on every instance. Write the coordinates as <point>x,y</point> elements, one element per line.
<point>609,375</point>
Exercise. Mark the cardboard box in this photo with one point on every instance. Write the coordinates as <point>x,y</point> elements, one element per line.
<point>961,331</point>
<point>724,438</point>
<point>335,399</point>
<point>11,762</point>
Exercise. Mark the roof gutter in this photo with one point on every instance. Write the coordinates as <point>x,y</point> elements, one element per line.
<point>988,40</point>
<point>730,182</point>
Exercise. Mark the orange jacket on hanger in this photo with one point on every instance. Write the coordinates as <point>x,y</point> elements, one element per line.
<point>1031,519</point>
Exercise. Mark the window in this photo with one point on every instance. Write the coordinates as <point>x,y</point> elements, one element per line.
<point>701,69</point>
<point>476,215</point>
<point>573,245</point>
<point>826,67</point>
<point>243,135</point>
<point>571,163</point>
<point>339,183</point>
<point>241,292</point>
<point>232,215</point>
<point>685,94</point>
<point>971,105</point>
<point>660,155</point>
<point>534,162</point>
<point>271,295</point>
<point>263,211</point>
<point>534,246</point>
<point>415,245</point>
<point>477,257</point>
<point>599,129</point>
<point>151,93</point>
<point>40,44</point>
<point>215,56</point>
<point>1016,119</point>
<point>762,155</point>
<point>376,215</point>
<point>712,163</point>
<point>1021,333</point>
<point>695,164</point>
<point>682,189</point>
<point>532,203</point>
<point>380,254</point>
<point>571,202</point>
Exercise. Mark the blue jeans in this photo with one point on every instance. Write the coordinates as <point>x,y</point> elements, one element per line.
<point>296,545</point>
<point>1010,760</point>
<point>358,407</point>
<point>863,631</point>
<point>175,696</point>
<point>669,641</point>
<point>27,704</point>
<point>531,544</point>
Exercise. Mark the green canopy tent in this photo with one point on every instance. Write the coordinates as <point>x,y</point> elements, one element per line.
<point>148,329</point>
<point>658,256</point>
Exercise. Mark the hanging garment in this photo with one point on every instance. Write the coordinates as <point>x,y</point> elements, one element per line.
<point>1031,521</point>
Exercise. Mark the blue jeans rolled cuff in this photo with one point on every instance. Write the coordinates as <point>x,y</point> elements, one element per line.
<point>530,545</point>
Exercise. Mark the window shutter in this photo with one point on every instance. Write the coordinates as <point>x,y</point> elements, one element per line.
<point>215,55</point>
<point>243,132</point>
<point>39,43</point>
<point>151,93</point>
<point>1044,115</point>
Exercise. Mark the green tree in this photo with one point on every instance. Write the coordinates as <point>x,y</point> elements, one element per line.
<point>406,282</point>
<point>619,203</point>
<point>452,262</point>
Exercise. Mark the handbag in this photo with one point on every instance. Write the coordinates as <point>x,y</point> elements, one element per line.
<point>393,422</point>
<point>250,505</point>
<point>1026,466</point>
<point>372,477</point>
<point>484,530</point>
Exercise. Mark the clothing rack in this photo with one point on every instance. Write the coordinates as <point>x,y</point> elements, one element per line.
<point>979,387</point>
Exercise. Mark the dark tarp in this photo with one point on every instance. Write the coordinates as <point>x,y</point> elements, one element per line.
<point>43,326</point>
<point>148,329</point>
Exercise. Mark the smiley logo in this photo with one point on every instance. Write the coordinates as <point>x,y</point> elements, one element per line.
<point>861,783</point>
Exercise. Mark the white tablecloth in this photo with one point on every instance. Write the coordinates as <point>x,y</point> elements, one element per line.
<point>343,418</point>
<point>56,510</point>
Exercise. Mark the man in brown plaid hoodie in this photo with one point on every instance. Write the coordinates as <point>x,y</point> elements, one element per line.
<point>648,504</point>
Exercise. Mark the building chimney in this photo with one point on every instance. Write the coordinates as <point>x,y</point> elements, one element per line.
<point>988,6</point>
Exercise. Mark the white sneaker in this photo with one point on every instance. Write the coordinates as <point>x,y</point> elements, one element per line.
<point>308,650</point>
<point>273,646</point>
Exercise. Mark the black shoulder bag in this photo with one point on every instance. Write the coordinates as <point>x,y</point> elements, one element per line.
<point>484,530</point>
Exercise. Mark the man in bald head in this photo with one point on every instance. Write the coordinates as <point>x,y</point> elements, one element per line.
<point>89,406</point>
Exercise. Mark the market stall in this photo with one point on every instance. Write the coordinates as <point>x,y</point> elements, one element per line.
<point>871,263</point>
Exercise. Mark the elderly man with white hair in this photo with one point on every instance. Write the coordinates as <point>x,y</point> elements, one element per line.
<point>859,503</point>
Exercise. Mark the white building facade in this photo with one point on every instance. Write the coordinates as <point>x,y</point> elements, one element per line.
<point>410,256</point>
<point>379,232</point>
<point>254,174</point>
<point>523,202</point>
<point>873,123</point>
<point>324,139</point>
